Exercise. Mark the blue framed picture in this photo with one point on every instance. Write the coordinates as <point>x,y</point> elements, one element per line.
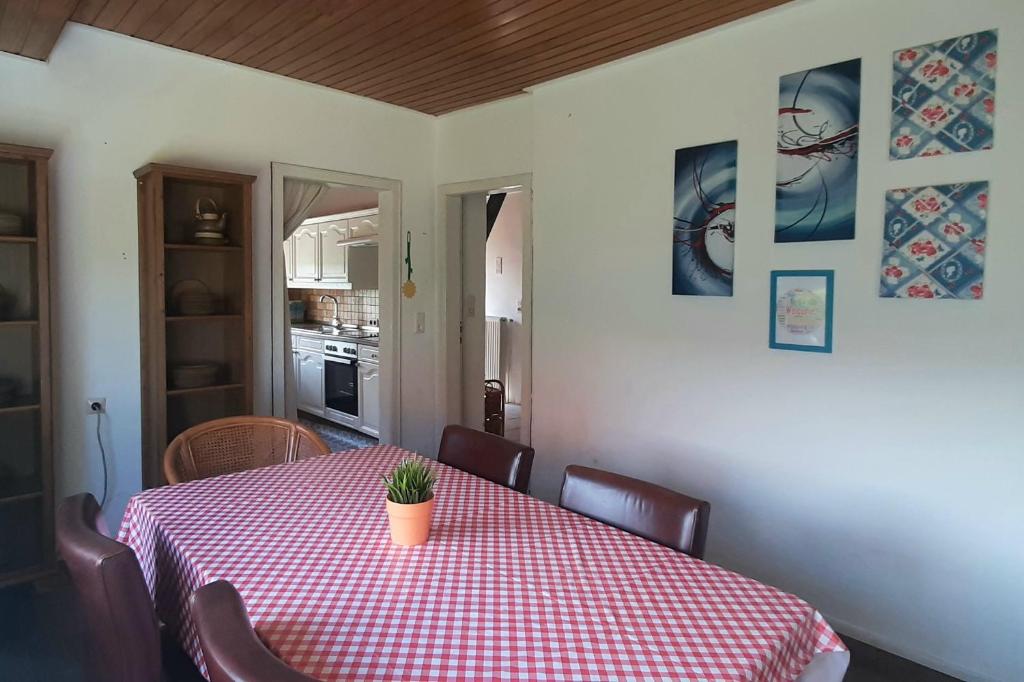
<point>801,310</point>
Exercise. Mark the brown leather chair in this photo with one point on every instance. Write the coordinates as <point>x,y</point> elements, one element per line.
<point>224,446</point>
<point>112,593</point>
<point>231,649</point>
<point>650,511</point>
<point>488,456</point>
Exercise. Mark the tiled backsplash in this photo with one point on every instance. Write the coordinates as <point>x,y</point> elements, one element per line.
<point>358,306</point>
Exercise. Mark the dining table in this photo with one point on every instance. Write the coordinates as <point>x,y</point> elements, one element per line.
<point>508,587</point>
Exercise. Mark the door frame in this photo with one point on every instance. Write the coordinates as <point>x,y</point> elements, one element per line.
<point>448,265</point>
<point>389,262</point>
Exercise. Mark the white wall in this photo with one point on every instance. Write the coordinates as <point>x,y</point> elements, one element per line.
<point>505,288</point>
<point>110,104</point>
<point>881,482</point>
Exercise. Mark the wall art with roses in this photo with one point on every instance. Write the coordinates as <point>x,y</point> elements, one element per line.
<point>944,97</point>
<point>935,241</point>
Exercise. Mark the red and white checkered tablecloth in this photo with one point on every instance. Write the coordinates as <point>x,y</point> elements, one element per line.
<point>508,587</point>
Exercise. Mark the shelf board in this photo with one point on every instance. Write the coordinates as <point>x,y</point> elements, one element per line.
<point>228,248</point>
<point>18,323</point>
<point>21,497</point>
<point>204,389</point>
<point>21,405</point>
<point>200,318</point>
<point>16,239</point>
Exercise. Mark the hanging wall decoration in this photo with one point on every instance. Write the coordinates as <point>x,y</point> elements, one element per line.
<point>704,220</point>
<point>409,286</point>
<point>816,153</point>
<point>801,310</point>
<point>944,97</point>
<point>935,242</point>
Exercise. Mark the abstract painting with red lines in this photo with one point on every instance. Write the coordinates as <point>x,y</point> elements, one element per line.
<point>816,152</point>
<point>704,220</point>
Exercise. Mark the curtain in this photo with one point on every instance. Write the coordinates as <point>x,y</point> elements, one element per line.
<point>299,198</point>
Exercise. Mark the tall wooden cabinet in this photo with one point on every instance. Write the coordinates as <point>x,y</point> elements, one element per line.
<point>26,466</point>
<point>195,304</point>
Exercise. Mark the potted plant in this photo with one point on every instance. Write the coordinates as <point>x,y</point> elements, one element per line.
<point>410,502</point>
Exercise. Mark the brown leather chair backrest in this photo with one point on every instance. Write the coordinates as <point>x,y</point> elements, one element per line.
<point>488,456</point>
<point>112,593</point>
<point>231,649</point>
<point>224,446</point>
<point>650,511</point>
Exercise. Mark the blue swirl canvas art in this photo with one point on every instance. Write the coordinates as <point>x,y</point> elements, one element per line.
<point>704,220</point>
<point>816,153</point>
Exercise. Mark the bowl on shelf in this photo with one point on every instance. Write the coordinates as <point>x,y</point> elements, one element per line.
<point>8,391</point>
<point>194,375</point>
<point>192,297</point>
<point>10,224</point>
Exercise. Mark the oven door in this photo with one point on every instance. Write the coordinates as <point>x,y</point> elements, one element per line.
<point>341,390</point>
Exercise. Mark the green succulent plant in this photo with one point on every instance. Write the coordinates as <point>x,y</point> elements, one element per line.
<point>411,482</point>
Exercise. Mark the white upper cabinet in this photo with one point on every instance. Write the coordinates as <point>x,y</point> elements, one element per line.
<point>314,260</point>
<point>333,258</point>
<point>306,247</point>
<point>365,226</point>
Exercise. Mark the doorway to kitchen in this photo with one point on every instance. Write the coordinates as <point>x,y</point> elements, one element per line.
<point>485,253</point>
<point>336,322</point>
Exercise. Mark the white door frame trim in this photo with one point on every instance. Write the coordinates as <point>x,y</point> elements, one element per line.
<point>449,226</point>
<point>388,281</point>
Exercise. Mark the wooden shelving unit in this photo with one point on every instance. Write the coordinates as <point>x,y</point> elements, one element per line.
<point>26,459</point>
<point>167,198</point>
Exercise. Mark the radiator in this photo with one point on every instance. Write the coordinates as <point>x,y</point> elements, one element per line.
<point>492,348</point>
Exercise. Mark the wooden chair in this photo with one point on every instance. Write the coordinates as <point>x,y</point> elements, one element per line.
<point>231,649</point>
<point>488,456</point>
<point>224,446</point>
<point>638,507</point>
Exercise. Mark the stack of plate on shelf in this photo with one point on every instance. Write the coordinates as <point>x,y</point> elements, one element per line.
<point>10,223</point>
<point>195,375</point>
<point>193,297</point>
<point>207,238</point>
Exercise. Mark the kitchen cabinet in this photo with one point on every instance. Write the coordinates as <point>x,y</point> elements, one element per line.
<point>306,247</point>
<point>313,259</point>
<point>333,258</point>
<point>289,260</point>
<point>309,379</point>
<point>369,391</point>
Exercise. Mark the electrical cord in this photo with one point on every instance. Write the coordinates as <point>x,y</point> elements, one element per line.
<point>103,457</point>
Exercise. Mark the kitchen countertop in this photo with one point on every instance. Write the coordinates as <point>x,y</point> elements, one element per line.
<point>316,329</point>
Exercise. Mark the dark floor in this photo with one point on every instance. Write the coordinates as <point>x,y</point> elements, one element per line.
<point>42,639</point>
<point>336,436</point>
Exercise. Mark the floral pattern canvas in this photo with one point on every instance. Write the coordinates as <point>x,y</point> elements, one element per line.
<point>944,97</point>
<point>935,241</point>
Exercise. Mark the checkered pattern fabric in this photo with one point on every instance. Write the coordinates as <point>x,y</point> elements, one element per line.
<point>508,587</point>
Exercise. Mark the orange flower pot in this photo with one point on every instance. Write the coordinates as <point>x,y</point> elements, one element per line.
<point>410,523</point>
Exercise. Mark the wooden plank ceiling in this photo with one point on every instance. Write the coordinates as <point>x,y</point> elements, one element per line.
<point>433,56</point>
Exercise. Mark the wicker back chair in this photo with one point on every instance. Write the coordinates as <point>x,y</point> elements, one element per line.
<point>224,446</point>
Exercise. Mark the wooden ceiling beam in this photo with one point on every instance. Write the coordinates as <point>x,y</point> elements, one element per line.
<point>574,62</point>
<point>424,33</point>
<point>30,28</point>
<point>604,46</point>
<point>609,20</point>
<point>434,56</point>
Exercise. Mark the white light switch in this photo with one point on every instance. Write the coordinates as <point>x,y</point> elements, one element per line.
<point>421,323</point>
<point>471,306</point>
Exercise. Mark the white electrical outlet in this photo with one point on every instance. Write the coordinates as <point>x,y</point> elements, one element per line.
<point>96,405</point>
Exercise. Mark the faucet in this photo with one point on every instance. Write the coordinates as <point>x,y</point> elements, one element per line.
<point>335,321</point>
